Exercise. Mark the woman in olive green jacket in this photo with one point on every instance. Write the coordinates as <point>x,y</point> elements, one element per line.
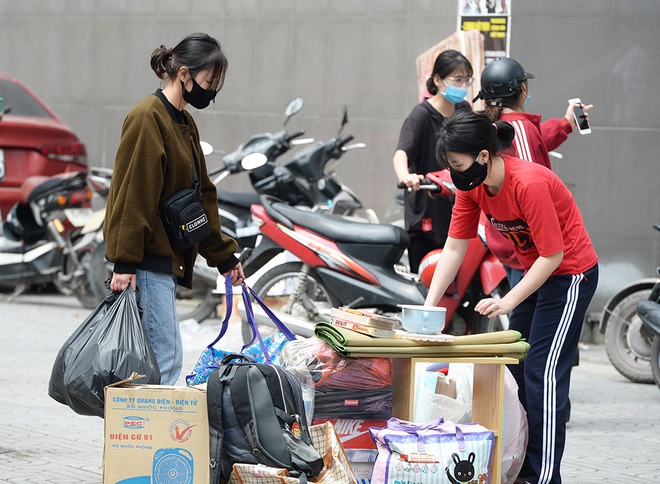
<point>158,147</point>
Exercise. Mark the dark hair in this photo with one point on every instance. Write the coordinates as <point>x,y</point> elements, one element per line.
<point>446,63</point>
<point>494,107</point>
<point>197,52</point>
<point>469,133</point>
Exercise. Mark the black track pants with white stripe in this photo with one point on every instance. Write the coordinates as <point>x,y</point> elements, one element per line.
<point>551,320</point>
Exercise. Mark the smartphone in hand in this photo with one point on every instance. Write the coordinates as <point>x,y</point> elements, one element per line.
<point>580,116</point>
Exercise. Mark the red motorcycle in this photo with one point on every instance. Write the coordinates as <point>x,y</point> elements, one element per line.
<point>357,265</point>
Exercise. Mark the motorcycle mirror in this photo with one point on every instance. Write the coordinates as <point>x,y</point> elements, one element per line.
<point>207,149</point>
<point>253,160</point>
<point>344,120</point>
<point>294,106</point>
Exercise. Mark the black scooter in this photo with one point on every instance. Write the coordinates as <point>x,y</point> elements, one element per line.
<point>42,240</point>
<point>649,312</point>
<point>627,343</point>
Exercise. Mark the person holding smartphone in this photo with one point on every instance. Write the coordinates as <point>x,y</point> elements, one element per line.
<point>533,208</point>
<point>505,90</point>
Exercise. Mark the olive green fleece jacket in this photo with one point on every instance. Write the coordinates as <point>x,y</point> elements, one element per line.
<point>154,161</point>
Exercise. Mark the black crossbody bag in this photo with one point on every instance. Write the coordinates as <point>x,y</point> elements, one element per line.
<point>183,215</point>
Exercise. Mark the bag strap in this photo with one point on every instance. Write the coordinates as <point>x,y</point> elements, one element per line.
<point>247,291</point>
<point>228,307</point>
<point>195,175</point>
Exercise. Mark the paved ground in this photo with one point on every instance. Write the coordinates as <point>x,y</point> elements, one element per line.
<point>613,436</point>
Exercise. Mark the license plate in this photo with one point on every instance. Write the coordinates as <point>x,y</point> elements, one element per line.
<point>78,216</point>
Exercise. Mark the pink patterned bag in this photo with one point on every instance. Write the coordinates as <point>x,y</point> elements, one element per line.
<point>435,452</point>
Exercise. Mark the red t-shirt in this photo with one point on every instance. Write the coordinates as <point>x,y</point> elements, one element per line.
<point>532,141</point>
<point>534,210</point>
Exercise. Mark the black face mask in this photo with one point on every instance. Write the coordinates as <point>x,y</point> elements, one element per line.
<point>198,97</point>
<point>470,178</point>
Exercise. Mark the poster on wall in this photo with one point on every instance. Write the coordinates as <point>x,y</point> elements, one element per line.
<point>492,19</point>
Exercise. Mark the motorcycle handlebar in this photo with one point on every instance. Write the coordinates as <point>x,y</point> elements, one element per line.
<point>425,184</point>
<point>348,138</point>
<point>298,133</point>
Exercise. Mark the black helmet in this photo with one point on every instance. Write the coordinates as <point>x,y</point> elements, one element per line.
<point>502,78</point>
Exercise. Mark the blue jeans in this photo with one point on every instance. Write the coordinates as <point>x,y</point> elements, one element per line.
<point>513,275</point>
<point>157,298</point>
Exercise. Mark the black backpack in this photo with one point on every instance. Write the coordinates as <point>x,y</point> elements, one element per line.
<point>257,416</point>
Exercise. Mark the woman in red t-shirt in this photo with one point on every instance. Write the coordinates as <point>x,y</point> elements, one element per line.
<point>531,207</point>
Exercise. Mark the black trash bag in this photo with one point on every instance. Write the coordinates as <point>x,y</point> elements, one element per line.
<point>106,348</point>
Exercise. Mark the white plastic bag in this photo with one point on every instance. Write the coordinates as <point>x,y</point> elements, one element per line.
<point>431,406</point>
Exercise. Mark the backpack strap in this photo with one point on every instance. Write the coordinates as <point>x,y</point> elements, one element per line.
<point>250,386</point>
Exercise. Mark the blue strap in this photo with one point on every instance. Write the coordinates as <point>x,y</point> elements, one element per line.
<point>253,326</point>
<point>247,291</point>
<point>228,308</point>
<point>280,325</point>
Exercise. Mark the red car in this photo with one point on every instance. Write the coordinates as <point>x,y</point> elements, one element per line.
<point>33,141</point>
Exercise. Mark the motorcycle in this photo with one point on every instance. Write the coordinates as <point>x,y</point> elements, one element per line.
<point>42,240</point>
<point>302,181</point>
<point>649,313</point>
<point>357,265</point>
<point>234,207</point>
<point>628,346</point>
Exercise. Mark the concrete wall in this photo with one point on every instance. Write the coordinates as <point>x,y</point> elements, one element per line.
<point>89,60</point>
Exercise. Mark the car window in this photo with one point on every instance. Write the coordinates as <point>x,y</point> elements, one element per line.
<point>18,102</point>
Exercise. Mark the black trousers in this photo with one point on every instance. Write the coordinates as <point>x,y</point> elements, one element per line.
<point>551,320</point>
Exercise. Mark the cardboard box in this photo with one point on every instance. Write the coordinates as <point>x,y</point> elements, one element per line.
<point>354,436</point>
<point>445,386</point>
<point>362,471</point>
<point>155,433</point>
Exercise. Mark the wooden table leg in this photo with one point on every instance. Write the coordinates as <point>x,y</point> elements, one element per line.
<point>488,409</point>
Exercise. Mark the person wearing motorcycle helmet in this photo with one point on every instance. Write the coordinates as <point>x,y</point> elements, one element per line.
<point>532,207</point>
<point>505,91</point>
<point>159,154</point>
<point>427,219</point>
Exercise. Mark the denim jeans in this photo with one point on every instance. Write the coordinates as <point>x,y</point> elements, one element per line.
<point>157,298</point>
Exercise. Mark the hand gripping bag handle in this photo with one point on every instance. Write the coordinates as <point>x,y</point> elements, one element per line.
<point>247,291</point>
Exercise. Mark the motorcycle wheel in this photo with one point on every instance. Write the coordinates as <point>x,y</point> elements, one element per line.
<point>84,291</point>
<point>276,288</point>
<point>98,271</point>
<point>655,360</point>
<point>483,324</point>
<point>627,348</point>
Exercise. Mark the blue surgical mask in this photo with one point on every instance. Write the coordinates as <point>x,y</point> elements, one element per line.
<point>454,94</point>
<point>529,96</point>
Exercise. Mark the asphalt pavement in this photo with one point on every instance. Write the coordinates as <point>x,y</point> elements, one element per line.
<point>613,435</point>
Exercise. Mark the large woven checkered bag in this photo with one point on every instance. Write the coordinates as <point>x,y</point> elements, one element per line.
<point>337,469</point>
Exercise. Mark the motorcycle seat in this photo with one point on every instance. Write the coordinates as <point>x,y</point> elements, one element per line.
<point>342,230</point>
<point>241,199</point>
<point>35,187</point>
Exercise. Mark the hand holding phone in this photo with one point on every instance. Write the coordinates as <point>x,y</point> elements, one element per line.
<point>580,116</point>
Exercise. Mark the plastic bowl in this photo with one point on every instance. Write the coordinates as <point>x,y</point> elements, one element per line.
<point>423,319</point>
